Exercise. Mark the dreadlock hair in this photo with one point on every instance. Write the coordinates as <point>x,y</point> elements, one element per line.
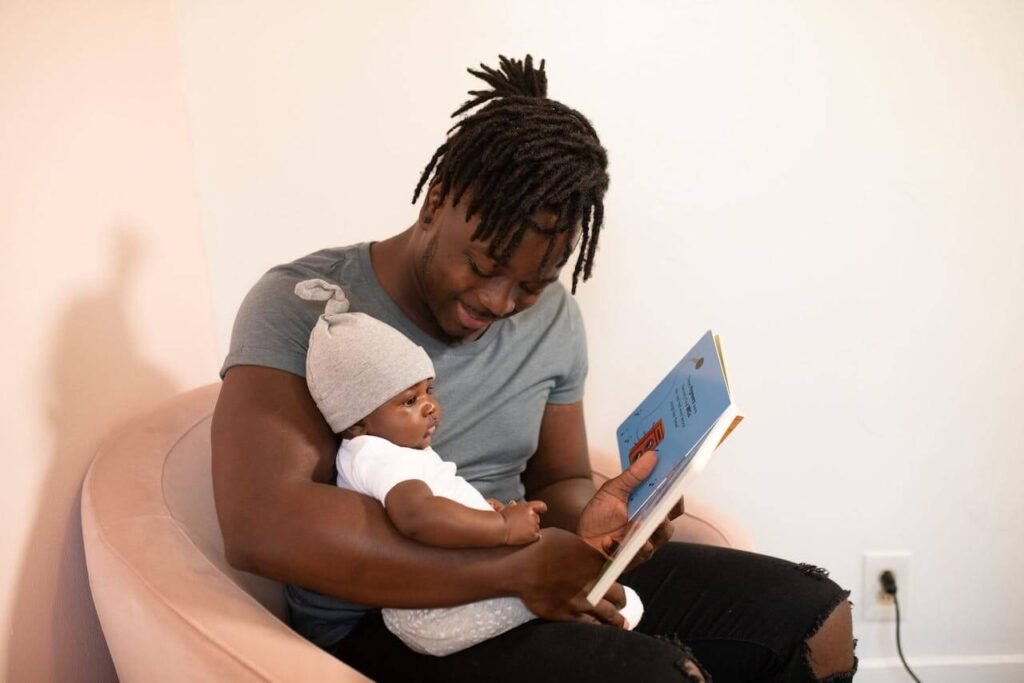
<point>520,153</point>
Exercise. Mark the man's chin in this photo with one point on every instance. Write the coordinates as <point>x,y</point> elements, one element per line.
<point>456,333</point>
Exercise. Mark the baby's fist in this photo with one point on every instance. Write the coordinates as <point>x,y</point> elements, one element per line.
<point>522,521</point>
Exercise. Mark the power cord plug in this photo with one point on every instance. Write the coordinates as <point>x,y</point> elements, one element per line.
<point>888,581</point>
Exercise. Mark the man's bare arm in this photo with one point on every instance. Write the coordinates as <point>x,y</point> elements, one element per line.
<point>282,517</point>
<point>559,472</point>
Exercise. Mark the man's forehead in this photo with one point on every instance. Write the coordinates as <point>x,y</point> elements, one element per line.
<point>538,255</point>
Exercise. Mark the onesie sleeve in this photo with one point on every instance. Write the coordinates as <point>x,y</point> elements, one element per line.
<point>378,466</point>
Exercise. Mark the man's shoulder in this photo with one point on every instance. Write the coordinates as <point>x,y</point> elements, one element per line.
<point>327,263</point>
<point>273,324</point>
<point>338,265</point>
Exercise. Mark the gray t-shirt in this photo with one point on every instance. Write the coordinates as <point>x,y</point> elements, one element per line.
<point>493,391</point>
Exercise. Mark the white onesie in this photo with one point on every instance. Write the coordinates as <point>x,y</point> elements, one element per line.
<point>373,466</point>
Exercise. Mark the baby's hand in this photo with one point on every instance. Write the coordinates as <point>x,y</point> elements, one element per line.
<point>522,522</point>
<point>495,503</point>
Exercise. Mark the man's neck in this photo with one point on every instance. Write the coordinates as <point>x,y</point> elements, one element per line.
<point>393,264</point>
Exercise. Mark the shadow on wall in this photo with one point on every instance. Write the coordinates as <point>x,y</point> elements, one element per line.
<point>97,379</point>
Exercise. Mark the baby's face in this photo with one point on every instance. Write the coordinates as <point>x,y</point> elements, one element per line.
<point>409,419</point>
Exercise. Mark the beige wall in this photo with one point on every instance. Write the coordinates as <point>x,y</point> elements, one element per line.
<point>834,187</point>
<point>105,297</point>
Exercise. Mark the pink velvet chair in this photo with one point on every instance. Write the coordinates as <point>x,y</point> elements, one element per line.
<point>171,607</point>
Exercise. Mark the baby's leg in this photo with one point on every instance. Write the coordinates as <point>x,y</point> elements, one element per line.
<point>442,631</point>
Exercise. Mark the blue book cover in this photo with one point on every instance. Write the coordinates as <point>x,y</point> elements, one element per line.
<point>674,419</point>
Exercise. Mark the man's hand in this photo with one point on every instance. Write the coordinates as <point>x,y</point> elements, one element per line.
<point>604,521</point>
<point>556,573</point>
<point>522,522</point>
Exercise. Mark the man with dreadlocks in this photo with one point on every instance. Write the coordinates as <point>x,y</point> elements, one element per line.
<point>517,186</point>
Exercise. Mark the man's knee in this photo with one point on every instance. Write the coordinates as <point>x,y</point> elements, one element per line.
<point>830,649</point>
<point>685,662</point>
<point>576,651</point>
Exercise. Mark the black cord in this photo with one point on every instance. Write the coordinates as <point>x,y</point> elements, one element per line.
<point>889,586</point>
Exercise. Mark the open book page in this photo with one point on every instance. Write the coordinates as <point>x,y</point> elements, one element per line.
<point>674,418</point>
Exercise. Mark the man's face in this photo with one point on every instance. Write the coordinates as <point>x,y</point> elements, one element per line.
<point>464,288</point>
<point>409,419</point>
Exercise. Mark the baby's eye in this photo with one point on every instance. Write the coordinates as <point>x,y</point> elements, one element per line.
<point>409,401</point>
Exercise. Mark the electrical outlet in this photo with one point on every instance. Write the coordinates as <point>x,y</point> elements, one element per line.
<point>877,604</point>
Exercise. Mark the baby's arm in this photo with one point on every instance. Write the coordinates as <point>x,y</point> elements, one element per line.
<point>438,521</point>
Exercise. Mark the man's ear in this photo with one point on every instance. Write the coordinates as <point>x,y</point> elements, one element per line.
<point>358,429</point>
<point>431,205</point>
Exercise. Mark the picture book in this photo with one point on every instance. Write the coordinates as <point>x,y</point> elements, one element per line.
<point>687,415</point>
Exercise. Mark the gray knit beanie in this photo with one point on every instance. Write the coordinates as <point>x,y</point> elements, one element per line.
<point>355,363</point>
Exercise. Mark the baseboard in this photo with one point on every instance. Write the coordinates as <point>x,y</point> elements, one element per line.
<point>977,669</point>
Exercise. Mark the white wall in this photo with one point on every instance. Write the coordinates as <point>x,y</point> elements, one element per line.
<point>834,187</point>
<point>105,298</point>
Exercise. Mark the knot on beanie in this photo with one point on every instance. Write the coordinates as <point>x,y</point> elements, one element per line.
<point>355,362</point>
<point>321,290</point>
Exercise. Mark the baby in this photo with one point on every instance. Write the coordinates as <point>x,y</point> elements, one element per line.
<point>375,389</point>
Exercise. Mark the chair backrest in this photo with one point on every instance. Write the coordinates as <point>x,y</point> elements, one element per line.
<point>171,607</point>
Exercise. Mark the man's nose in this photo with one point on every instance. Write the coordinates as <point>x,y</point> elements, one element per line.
<point>497,298</point>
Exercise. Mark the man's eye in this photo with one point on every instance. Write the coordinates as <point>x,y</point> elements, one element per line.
<point>477,270</point>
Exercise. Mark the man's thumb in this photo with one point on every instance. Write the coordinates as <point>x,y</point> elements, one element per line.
<point>638,470</point>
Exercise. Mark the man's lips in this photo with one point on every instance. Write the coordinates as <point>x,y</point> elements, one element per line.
<point>470,319</point>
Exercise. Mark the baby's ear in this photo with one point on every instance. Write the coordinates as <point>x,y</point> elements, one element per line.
<point>358,429</point>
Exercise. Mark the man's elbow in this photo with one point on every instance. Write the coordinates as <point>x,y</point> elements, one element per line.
<point>245,549</point>
<point>239,550</point>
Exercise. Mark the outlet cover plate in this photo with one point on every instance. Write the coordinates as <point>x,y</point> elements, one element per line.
<point>876,605</point>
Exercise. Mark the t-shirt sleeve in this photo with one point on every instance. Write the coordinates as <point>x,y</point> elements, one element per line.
<point>273,324</point>
<point>569,385</point>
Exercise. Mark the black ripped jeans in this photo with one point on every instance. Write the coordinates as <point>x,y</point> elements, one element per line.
<point>741,616</point>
